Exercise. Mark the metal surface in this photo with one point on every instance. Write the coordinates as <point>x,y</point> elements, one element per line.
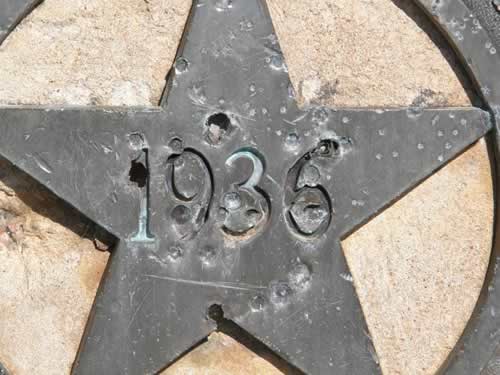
<point>229,194</point>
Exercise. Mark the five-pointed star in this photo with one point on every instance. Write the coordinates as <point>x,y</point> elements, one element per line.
<point>156,178</point>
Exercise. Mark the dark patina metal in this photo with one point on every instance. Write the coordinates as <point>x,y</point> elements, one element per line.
<point>228,194</point>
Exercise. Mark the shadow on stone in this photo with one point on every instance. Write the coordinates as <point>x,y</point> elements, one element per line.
<point>44,202</point>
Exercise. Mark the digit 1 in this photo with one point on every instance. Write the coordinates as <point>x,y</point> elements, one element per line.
<point>139,173</point>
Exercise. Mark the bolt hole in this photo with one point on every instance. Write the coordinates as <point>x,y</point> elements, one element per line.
<point>218,125</point>
<point>138,173</point>
<point>220,120</point>
<point>216,313</point>
<point>328,147</point>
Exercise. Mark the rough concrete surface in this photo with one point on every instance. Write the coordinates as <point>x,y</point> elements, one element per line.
<point>418,267</point>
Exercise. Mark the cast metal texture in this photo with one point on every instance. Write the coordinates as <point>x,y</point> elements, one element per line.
<point>229,194</point>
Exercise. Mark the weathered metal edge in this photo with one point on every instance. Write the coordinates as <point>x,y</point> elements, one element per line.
<point>12,12</point>
<point>473,44</point>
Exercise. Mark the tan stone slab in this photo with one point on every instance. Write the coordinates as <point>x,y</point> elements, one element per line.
<point>365,53</point>
<point>418,267</point>
<point>92,52</point>
<point>48,277</point>
<point>222,355</point>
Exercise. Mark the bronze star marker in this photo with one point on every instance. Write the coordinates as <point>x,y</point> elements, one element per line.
<point>229,194</point>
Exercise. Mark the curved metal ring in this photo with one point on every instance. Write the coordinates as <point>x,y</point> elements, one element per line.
<point>478,351</point>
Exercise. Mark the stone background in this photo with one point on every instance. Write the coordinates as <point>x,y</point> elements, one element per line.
<point>418,267</point>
